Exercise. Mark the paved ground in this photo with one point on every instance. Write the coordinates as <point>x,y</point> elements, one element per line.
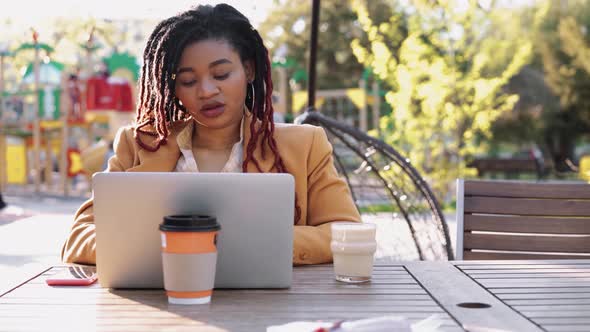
<point>32,231</point>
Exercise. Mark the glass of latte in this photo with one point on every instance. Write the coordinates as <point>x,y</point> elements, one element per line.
<point>353,247</point>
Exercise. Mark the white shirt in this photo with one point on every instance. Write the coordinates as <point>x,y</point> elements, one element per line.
<point>187,161</point>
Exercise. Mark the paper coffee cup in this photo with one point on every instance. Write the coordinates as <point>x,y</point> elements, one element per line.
<point>189,257</point>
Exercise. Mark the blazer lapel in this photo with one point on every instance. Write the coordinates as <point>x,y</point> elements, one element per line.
<point>165,158</point>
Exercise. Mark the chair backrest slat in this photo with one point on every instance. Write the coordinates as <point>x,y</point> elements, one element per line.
<point>527,206</point>
<point>482,255</point>
<point>526,224</point>
<point>523,220</point>
<point>486,241</point>
<point>527,189</point>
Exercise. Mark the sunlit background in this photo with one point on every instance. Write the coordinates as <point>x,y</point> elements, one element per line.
<point>461,88</point>
<point>482,78</point>
<point>31,11</point>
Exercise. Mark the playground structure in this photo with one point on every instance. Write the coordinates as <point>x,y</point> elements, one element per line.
<point>60,121</point>
<point>359,107</point>
<point>63,119</point>
<point>356,107</point>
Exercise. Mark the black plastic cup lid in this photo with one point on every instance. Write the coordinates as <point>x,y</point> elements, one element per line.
<point>189,223</point>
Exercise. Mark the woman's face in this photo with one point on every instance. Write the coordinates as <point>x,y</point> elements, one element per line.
<point>211,83</point>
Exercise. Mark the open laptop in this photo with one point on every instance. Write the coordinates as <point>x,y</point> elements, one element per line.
<point>255,211</point>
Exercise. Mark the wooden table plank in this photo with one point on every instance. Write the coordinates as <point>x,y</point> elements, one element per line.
<point>521,266</point>
<point>553,294</point>
<point>207,326</point>
<point>475,272</point>
<point>555,263</point>
<point>315,295</point>
<point>450,287</point>
<point>563,320</point>
<point>530,283</point>
<point>539,290</point>
<point>581,308</point>
<point>542,296</point>
<point>7,288</point>
<point>554,314</point>
<point>537,275</point>
<point>36,293</point>
<point>538,278</point>
<point>69,327</point>
<point>551,302</point>
<point>566,328</point>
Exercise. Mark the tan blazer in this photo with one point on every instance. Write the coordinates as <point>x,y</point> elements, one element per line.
<point>322,195</point>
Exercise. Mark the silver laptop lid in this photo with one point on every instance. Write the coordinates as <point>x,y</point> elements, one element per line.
<point>255,244</point>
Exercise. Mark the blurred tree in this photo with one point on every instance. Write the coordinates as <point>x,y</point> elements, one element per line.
<point>67,34</point>
<point>563,44</point>
<point>286,32</point>
<point>447,78</point>
<point>523,127</point>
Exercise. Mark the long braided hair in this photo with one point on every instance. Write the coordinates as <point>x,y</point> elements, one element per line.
<point>158,107</point>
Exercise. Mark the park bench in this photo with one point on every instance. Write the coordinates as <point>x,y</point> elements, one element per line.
<point>511,168</point>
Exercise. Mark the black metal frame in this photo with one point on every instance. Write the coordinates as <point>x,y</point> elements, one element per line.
<point>332,126</point>
<point>328,124</point>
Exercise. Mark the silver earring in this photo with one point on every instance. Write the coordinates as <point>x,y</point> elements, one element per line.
<point>179,104</point>
<point>251,85</point>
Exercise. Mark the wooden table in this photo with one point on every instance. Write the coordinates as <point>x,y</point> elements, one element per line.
<point>497,295</point>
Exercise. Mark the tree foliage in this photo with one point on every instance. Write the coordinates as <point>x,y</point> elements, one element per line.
<point>563,46</point>
<point>67,35</point>
<point>289,25</point>
<point>447,70</point>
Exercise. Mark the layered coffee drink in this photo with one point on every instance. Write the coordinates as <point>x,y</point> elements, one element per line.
<point>353,247</point>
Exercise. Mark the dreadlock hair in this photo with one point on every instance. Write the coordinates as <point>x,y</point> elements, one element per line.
<point>158,107</point>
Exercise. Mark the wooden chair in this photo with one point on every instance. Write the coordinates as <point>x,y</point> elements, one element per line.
<point>522,220</point>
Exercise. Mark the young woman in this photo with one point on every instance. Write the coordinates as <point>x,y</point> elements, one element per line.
<point>205,106</point>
